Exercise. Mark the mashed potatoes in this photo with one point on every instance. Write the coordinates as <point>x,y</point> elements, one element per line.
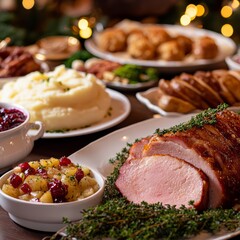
<point>62,99</point>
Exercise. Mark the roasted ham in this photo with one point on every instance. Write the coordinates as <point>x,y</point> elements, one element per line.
<point>165,179</point>
<point>213,148</point>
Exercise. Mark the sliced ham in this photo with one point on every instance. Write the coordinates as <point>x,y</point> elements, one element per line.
<point>165,179</point>
<point>215,149</point>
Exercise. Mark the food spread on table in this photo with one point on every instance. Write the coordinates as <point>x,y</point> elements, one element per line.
<point>173,183</point>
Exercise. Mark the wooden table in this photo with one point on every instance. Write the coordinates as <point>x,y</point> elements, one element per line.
<point>45,148</point>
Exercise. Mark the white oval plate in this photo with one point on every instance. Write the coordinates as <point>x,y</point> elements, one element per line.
<point>226,48</point>
<point>96,155</point>
<point>149,99</point>
<point>120,109</point>
<point>135,86</point>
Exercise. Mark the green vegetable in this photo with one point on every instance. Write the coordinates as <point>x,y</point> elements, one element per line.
<point>83,55</point>
<point>136,74</point>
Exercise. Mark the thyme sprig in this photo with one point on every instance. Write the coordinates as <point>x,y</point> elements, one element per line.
<point>207,116</point>
<point>119,219</point>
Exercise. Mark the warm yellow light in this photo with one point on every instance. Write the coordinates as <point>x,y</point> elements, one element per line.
<point>85,33</point>
<point>226,11</point>
<point>235,4</point>
<point>227,30</point>
<point>185,20</point>
<point>191,11</point>
<point>28,4</point>
<point>200,10</point>
<point>83,24</point>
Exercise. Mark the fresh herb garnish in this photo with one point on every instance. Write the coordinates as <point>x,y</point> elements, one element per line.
<point>205,117</point>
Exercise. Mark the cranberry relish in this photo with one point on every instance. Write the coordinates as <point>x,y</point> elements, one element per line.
<point>10,118</point>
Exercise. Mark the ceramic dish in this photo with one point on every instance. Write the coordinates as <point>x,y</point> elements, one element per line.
<point>120,109</point>
<point>47,216</point>
<point>226,46</point>
<point>233,62</point>
<point>131,87</point>
<point>149,99</point>
<point>128,135</point>
<point>16,143</point>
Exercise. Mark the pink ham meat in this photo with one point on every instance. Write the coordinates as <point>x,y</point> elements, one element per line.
<point>213,149</point>
<point>165,179</point>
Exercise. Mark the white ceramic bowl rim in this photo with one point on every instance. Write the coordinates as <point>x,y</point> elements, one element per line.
<point>99,178</point>
<point>18,107</point>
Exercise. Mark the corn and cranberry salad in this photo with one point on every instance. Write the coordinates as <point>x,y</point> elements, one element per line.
<point>50,181</point>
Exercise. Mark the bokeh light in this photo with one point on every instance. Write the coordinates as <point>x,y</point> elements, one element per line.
<point>185,20</point>
<point>28,4</point>
<point>83,24</point>
<point>200,10</point>
<point>85,33</point>
<point>227,30</point>
<point>235,4</point>
<point>226,11</point>
<point>191,11</point>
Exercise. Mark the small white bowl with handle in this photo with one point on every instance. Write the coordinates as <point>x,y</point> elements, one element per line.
<point>17,142</point>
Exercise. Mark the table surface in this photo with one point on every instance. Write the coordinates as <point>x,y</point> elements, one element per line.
<point>45,148</point>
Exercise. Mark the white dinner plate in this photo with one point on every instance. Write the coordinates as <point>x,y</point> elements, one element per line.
<point>226,48</point>
<point>97,154</point>
<point>131,87</point>
<point>120,109</point>
<point>150,97</point>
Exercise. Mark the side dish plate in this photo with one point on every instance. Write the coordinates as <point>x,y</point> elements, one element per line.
<point>226,48</point>
<point>120,109</point>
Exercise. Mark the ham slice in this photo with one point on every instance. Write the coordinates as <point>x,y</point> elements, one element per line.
<point>165,179</point>
<point>213,149</point>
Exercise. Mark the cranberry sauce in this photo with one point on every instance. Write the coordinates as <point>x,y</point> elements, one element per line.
<point>10,118</point>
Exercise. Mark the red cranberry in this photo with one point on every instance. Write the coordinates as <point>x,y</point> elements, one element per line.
<point>26,188</point>
<point>10,118</point>
<point>58,191</point>
<point>79,174</point>
<point>64,161</point>
<point>30,171</point>
<point>42,172</point>
<point>24,166</point>
<point>15,180</point>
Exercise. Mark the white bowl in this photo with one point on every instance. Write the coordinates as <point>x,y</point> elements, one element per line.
<point>232,63</point>
<point>47,216</point>
<point>16,143</point>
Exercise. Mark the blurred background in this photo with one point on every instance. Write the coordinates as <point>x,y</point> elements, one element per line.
<point>26,21</point>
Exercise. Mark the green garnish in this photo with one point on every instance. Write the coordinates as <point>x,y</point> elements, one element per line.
<point>83,55</point>
<point>205,117</point>
<point>136,74</point>
<point>119,219</point>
